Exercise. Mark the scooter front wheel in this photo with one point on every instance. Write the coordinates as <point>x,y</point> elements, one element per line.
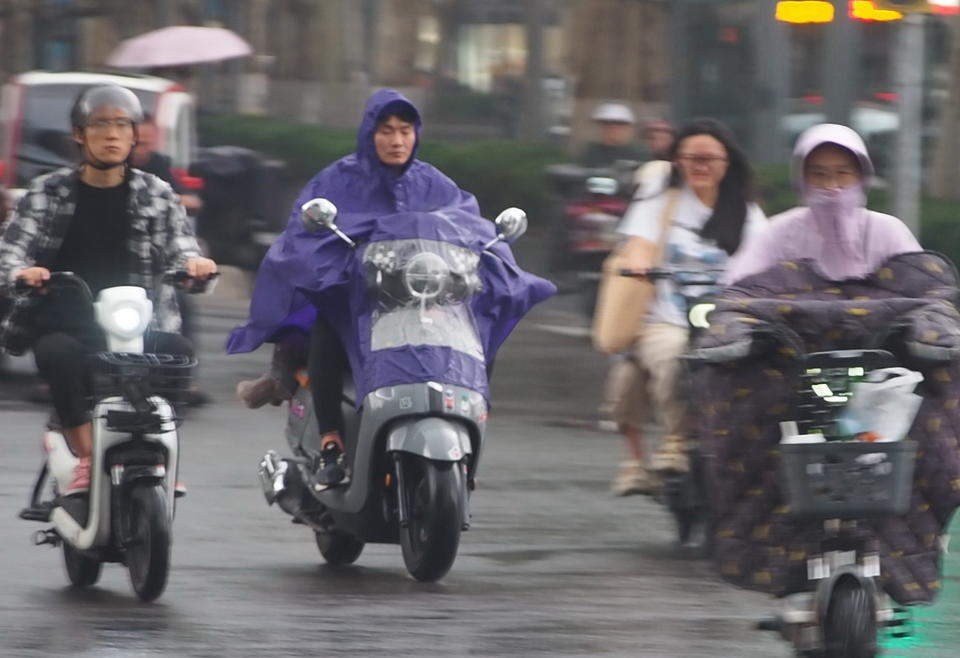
<point>148,553</point>
<point>432,535</point>
<point>81,570</point>
<point>850,627</point>
<point>338,548</point>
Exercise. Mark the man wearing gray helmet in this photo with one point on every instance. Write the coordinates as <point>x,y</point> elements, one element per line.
<point>105,222</point>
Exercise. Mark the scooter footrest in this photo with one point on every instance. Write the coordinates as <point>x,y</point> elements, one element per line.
<point>39,513</point>
<point>772,624</point>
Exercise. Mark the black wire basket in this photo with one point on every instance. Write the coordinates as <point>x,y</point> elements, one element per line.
<point>166,375</point>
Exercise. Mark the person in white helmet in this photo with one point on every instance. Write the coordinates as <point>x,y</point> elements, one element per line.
<point>615,137</point>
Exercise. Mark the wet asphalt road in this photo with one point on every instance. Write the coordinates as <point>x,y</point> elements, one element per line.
<point>553,565</point>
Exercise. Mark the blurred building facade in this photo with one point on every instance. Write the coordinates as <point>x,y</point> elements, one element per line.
<point>526,68</point>
<point>315,60</point>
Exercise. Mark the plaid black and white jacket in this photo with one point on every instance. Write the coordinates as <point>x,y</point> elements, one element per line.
<point>40,221</point>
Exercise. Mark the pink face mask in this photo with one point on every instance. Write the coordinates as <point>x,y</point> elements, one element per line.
<point>838,213</point>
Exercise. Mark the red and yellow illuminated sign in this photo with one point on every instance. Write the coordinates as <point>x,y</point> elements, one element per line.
<point>822,11</point>
<point>866,10</point>
<point>805,11</point>
<point>942,7</point>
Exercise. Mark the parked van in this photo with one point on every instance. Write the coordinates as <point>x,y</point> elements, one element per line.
<point>35,132</point>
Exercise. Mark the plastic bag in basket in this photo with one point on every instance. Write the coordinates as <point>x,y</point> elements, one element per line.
<point>883,404</point>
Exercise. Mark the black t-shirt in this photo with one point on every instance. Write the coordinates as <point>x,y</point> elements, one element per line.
<point>95,246</point>
<point>95,249</point>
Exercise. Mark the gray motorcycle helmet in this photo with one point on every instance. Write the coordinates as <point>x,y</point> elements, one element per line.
<point>92,98</point>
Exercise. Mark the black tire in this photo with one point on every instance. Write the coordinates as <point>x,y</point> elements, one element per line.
<point>82,571</point>
<point>850,626</point>
<point>148,554</point>
<point>432,536</point>
<point>339,549</point>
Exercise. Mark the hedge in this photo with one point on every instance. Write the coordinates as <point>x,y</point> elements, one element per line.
<point>499,172</point>
<point>505,173</point>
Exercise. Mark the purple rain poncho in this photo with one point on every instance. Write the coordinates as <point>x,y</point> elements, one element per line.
<point>835,230</point>
<point>305,274</point>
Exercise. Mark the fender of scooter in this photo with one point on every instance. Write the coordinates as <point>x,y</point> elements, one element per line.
<point>141,473</point>
<point>439,439</point>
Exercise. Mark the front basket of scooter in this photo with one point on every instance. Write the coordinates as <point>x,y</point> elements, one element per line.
<point>848,479</point>
<point>166,375</point>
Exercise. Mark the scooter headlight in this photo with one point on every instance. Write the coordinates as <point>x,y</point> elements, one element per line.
<point>426,275</point>
<point>698,315</point>
<point>124,311</point>
<point>125,318</point>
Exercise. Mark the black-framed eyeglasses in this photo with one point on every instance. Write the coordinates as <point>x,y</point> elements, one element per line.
<point>701,160</point>
<point>103,125</point>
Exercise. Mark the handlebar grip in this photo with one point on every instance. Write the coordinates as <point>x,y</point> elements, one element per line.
<point>191,285</point>
<point>21,287</point>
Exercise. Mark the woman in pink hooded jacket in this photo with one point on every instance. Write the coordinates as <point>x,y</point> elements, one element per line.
<point>834,229</point>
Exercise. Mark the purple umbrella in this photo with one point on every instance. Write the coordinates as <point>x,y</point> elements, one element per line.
<point>177,46</point>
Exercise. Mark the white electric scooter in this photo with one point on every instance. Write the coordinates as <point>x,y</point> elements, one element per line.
<point>128,514</point>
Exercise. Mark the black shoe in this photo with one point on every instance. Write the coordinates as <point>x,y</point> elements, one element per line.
<point>332,470</point>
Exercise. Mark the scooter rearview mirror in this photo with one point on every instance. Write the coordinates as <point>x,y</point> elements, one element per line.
<point>318,214</point>
<point>511,224</point>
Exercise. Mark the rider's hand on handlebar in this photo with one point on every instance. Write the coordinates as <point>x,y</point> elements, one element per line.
<point>34,277</point>
<point>200,268</point>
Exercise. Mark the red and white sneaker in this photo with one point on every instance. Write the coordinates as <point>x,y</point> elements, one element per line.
<point>179,489</point>
<point>80,484</point>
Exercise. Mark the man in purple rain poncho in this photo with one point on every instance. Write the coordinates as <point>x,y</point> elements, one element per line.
<point>302,282</point>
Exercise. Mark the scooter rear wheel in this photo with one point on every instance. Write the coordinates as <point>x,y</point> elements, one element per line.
<point>81,570</point>
<point>432,535</point>
<point>148,554</point>
<point>338,548</point>
<point>850,627</point>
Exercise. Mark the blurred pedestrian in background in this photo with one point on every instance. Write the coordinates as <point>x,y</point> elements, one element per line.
<point>145,157</point>
<point>709,211</point>
<point>4,207</point>
<point>615,139</point>
<point>652,177</point>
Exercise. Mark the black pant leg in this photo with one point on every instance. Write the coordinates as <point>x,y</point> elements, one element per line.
<point>326,365</point>
<point>62,360</point>
<point>161,342</point>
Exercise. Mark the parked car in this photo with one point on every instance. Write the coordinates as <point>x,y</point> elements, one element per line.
<point>35,132</point>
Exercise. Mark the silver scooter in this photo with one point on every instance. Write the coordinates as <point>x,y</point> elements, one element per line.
<point>415,447</point>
